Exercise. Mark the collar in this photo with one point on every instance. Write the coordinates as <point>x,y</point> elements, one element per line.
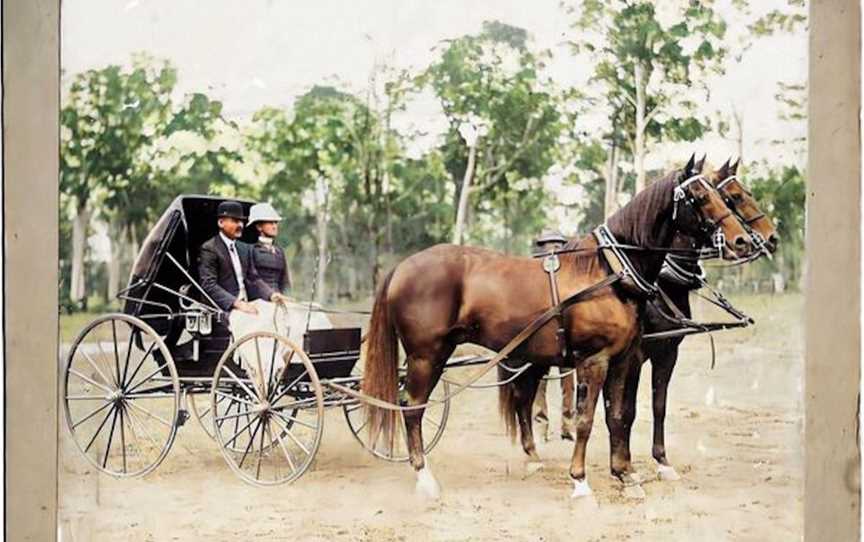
<point>264,240</point>
<point>228,242</point>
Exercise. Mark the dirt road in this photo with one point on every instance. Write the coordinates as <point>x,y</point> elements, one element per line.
<point>734,433</point>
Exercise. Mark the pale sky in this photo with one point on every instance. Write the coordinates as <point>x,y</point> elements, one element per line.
<point>266,52</point>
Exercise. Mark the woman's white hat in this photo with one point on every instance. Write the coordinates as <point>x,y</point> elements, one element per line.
<point>263,212</point>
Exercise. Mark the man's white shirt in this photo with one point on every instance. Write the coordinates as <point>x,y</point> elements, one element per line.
<point>235,262</point>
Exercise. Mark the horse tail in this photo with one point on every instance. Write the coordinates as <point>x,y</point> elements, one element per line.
<point>507,402</point>
<point>380,374</point>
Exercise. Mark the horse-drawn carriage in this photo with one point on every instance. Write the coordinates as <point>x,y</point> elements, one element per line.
<point>267,394</point>
<point>130,379</point>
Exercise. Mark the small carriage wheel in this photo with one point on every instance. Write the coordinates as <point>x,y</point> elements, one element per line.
<point>121,395</point>
<point>434,421</point>
<point>226,404</point>
<point>274,439</point>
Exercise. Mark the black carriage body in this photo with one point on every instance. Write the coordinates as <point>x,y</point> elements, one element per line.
<point>167,265</point>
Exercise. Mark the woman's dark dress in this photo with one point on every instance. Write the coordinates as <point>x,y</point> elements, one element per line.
<point>272,268</point>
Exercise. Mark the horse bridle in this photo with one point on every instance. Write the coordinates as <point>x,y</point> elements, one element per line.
<point>756,238</point>
<point>711,228</point>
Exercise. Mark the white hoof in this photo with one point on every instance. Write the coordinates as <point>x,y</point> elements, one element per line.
<point>581,489</point>
<point>427,486</point>
<point>634,491</point>
<point>531,467</point>
<point>667,473</point>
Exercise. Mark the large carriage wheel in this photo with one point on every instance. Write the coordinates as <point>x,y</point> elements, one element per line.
<point>434,421</point>
<point>121,395</point>
<point>274,430</point>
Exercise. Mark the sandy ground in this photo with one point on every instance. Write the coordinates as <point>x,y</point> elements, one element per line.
<point>734,433</point>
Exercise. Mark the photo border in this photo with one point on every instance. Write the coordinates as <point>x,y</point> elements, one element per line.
<point>31,67</point>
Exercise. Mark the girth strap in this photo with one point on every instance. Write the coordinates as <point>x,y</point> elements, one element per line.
<point>514,343</point>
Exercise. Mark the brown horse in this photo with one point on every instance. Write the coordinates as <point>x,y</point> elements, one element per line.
<point>447,295</point>
<point>515,398</point>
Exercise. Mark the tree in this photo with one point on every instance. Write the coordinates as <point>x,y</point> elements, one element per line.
<point>107,117</point>
<point>648,66</point>
<point>493,81</point>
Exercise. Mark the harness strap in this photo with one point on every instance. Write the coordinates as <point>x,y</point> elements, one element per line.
<point>551,264</point>
<point>514,343</point>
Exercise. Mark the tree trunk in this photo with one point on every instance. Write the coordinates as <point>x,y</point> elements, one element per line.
<point>462,209</point>
<point>77,287</point>
<point>322,219</point>
<point>639,150</point>
<point>610,203</point>
<point>739,123</point>
<point>114,263</point>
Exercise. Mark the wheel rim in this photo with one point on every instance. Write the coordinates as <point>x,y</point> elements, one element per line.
<point>434,421</point>
<point>274,440</point>
<point>121,396</point>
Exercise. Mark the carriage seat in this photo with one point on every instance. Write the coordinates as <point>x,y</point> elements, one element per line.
<point>334,352</point>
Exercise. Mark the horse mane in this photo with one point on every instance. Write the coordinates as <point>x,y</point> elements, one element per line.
<point>628,223</point>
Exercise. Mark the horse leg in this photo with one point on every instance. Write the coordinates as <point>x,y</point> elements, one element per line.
<point>540,406</point>
<point>568,418</point>
<point>423,375</point>
<point>662,364</point>
<point>591,374</point>
<point>619,393</point>
<point>526,388</point>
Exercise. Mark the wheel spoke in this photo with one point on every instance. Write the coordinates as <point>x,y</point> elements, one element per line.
<point>231,416</point>
<point>285,367</point>
<point>235,398</point>
<point>251,443</point>
<point>237,434</point>
<point>86,398</point>
<point>270,382</point>
<point>123,439</point>
<point>133,419</point>
<point>98,430</point>
<point>110,438</point>
<point>104,355</point>
<point>146,378</point>
<point>129,353</point>
<point>140,364</point>
<point>93,364</point>
<point>286,452</point>
<point>262,390</point>
<point>285,390</point>
<point>148,413</point>
<point>287,418</point>
<point>89,380</point>
<point>87,417</point>
<point>290,434</point>
<point>239,382</point>
<point>260,450</point>
<point>116,351</point>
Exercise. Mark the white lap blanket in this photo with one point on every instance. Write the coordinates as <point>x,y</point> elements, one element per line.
<point>288,321</point>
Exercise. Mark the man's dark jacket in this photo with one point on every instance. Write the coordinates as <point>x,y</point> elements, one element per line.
<point>217,274</point>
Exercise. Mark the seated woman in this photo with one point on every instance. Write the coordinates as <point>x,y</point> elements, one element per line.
<point>268,257</point>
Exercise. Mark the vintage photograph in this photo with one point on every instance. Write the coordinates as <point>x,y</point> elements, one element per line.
<point>381,270</point>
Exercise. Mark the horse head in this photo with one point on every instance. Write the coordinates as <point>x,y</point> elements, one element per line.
<point>740,200</point>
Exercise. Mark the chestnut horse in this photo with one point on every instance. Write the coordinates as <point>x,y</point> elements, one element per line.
<point>516,398</point>
<point>447,295</point>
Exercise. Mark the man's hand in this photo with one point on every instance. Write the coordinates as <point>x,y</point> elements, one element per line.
<point>245,306</point>
<point>279,298</point>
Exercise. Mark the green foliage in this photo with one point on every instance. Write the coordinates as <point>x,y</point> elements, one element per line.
<point>495,78</point>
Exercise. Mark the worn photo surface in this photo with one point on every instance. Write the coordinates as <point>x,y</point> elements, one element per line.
<point>432,270</point>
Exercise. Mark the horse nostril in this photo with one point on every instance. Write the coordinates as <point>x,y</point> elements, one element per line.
<point>773,241</point>
<point>741,244</point>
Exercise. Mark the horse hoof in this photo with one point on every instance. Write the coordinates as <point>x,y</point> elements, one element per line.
<point>667,473</point>
<point>427,486</point>
<point>634,491</point>
<point>531,467</point>
<point>581,489</point>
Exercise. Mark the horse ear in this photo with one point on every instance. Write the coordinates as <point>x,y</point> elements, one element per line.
<point>688,169</point>
<point>700,164</point>
<point>723,172</point>
<point>734,168</point>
